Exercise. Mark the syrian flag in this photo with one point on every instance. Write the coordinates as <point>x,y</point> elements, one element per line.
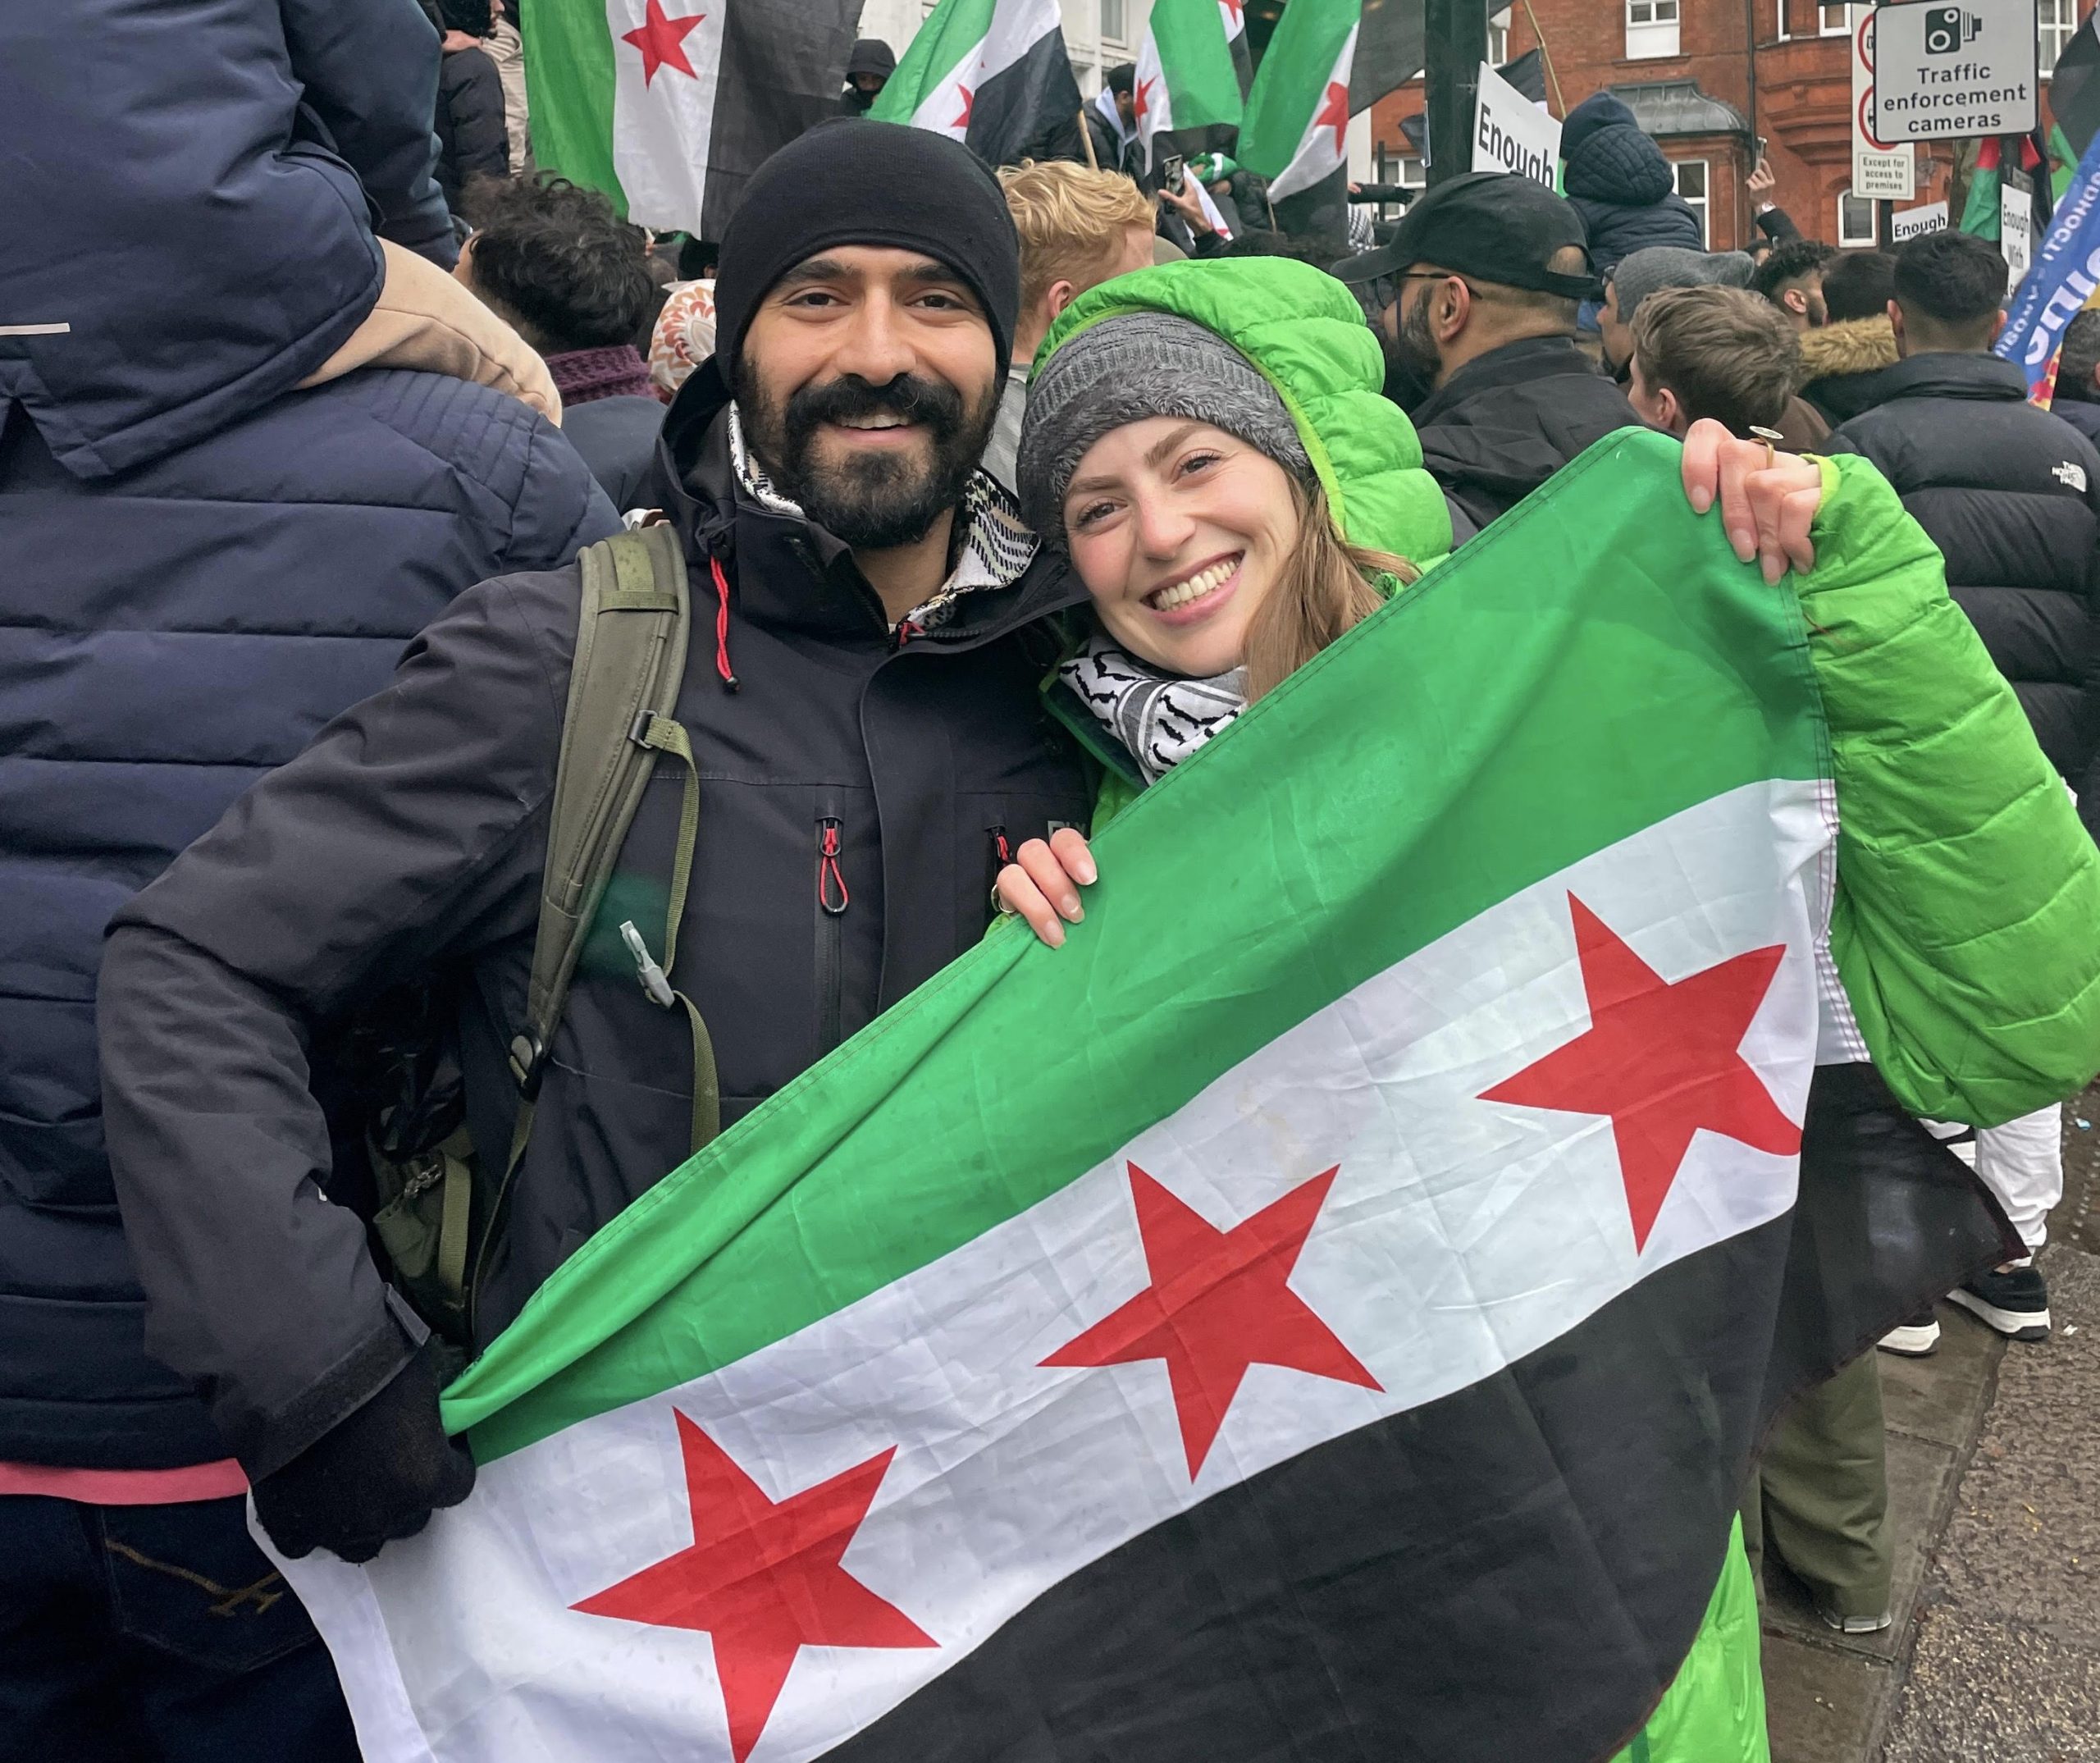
<point>1296,131</point>
<point>669,106</point>
<point>1187,96</point>
<point>1233,13</point>
<point>1326,1311</point>
<point>991,73</point>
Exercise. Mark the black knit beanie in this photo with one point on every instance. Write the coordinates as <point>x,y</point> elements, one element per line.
<point>851,181</point>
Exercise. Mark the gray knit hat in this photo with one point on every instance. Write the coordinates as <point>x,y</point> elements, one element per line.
<point>1123,370</point>
<point>1641,273</point>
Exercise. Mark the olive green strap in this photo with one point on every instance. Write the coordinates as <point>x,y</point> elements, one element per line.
<point>453,1220</point>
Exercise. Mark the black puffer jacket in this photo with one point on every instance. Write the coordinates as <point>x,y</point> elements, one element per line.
<point>2011,494</point>
<point>1503,424</point>
<point>1618,181</point>
<point>408,842</point>
<point>472,139</point>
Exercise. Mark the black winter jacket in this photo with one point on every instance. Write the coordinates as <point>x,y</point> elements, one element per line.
<point>2011,494</point>
<point>1503,424</point>
<point>408,841</point>
<point>472,139</point>
<point>1618,181</point>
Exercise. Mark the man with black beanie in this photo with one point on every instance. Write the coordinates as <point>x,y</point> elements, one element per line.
<point>867,745</point>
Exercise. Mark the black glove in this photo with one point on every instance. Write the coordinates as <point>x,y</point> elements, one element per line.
<point>373,1477</point>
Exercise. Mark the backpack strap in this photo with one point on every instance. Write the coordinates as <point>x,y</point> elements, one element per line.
<point>630,662</point>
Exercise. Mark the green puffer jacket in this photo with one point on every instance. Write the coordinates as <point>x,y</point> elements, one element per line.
<point>1966,926</point>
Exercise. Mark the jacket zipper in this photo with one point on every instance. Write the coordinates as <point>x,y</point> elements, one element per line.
<point>832,900</point>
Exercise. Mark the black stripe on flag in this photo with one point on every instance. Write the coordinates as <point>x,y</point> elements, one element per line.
<point>1030,110</point>
<point>1517,1569</point>
<point>783,62</point>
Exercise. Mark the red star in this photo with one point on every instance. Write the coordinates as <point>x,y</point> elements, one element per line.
<point>1232,20</point>
<point>1660,1057</point>
<point>1219,1301</point>
<point>662,41</point>
<point>1143,103</point>
<point>765,1580</point>
<point>1333,114</point>
<point>969,104</point>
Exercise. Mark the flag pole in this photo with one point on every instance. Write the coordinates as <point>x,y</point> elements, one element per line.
<point>1454,44</point>
<point>1086,139</point>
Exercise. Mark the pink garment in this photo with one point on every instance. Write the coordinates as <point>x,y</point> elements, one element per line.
<point>127,1487</point>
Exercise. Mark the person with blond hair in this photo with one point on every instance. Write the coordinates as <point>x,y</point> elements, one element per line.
<point>1078,228</point>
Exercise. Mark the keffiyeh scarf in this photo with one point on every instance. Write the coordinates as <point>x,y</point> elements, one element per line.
<point>1159,719</point>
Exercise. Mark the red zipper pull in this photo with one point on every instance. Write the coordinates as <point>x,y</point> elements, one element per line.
<point>831,880</point>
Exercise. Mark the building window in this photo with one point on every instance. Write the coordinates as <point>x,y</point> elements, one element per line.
<point>1498,37</point>
<point>2055,23</point>
<point>1690,177</point>
<point>1650,28</point>
<point>1111,20</point>
<point>1836,20</point>
<point>1855,221</point>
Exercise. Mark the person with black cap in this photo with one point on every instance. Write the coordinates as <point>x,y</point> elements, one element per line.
<point>1482,278</point>
<point>868,69</point>
<point>866,746</point>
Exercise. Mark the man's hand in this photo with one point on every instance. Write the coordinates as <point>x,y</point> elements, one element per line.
<point>376,1475</point>
<point>1762,182</point>
<point>1766,509</point>
<point>1042,882</point>
<point>1185,202</point>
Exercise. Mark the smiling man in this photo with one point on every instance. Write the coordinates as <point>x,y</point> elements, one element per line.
<point>861,703</point>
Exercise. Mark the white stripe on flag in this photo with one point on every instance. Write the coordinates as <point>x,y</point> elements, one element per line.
<point>1458,1235</point>
<point>663,115</point>
<point>1016,27</point>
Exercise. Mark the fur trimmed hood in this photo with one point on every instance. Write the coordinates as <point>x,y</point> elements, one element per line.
<point>1850,345</point>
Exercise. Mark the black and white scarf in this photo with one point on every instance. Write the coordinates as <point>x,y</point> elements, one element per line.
<point>1160,718</point>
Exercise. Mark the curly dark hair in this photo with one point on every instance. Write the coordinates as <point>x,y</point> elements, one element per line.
<point>1951,278</point>
<point>558,262</point>
<point>1788,262</point>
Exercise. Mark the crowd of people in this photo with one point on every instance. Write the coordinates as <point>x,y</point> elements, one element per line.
<point>293,484</point>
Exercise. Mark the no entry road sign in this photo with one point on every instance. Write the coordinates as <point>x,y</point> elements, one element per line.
<point>1942,70</point>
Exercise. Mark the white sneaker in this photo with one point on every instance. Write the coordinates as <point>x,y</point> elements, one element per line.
<point>1856,1624</point>
<point>1915,1337</point>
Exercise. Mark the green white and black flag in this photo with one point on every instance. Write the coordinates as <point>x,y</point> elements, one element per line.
<point>992,73</point>
<point>1325,1313</point>
<point>1187,96</point>
<point>669,106</point>
<point>1296,131</point>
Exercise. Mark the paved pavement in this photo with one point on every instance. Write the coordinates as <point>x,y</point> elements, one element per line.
<point>1994,1475</point>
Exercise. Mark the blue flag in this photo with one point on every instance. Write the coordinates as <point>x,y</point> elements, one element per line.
<point>2065,271</point>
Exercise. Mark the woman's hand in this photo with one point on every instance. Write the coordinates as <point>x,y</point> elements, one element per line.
<point>1766,509</point>
<point>1042,882</point>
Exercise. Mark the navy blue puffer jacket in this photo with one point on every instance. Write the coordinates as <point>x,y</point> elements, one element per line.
<point>1618,181</point>
<point>199,565</point>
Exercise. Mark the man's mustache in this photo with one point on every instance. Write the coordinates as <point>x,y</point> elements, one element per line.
<point>906,397</point>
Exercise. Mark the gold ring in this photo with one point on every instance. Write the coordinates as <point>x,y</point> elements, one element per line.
<point>1767,435</point>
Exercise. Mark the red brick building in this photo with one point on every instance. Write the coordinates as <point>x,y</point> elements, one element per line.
<point>1706,78</point>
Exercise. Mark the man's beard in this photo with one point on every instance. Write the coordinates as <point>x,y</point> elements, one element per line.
<point>1411,362</point>
<point>872,500</point>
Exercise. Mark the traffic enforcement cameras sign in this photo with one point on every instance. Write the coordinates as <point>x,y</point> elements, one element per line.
<point>1942,70</point>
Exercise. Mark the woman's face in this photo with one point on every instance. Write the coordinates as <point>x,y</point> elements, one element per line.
<point>1180,532</point>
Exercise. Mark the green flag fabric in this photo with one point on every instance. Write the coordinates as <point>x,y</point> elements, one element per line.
<point>1134,1349</point>
<point>1186,82</point>
<point>1296,131</point>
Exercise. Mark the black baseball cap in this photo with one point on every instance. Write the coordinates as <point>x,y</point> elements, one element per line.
<point>1494,224</point>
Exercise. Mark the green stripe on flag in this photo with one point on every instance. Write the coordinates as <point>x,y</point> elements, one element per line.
<point>1595,661</point>
<point>1292,81</point>
<point>1196,61</point>
<point>568,88</point>
<point>953,29</point>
